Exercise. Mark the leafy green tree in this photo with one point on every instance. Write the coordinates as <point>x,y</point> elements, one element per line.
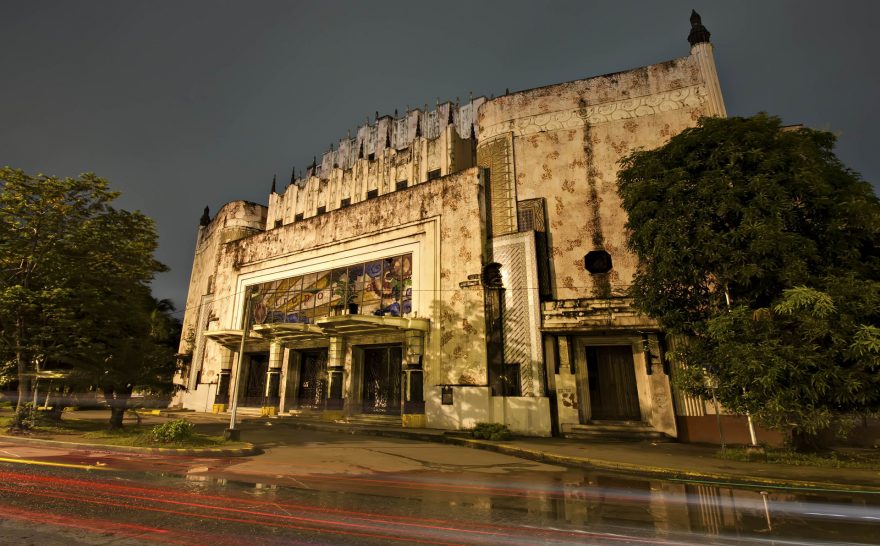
<point>73,270</point>
<point>132,348</point>
<point>761,248</point>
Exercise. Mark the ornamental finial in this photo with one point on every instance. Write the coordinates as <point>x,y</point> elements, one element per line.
<point>698,34</point>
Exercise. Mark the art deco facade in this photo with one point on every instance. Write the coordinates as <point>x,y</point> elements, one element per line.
<point>452,266</point>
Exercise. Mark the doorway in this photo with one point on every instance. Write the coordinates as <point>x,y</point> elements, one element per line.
<point>255,380</point>
<point>612,386</point>
<point>311,389</point>
<point>382,380</point>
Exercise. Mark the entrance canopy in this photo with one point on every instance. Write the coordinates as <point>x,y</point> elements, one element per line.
<point>289,333</point>
<point>343,325</point>
<point>338,326</point>
<point>231,339</point>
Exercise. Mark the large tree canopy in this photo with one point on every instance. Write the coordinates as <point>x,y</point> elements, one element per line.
<point>760,246</point>
<point>74,274</point>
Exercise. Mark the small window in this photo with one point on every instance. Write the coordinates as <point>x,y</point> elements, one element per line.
<point>371,157</point>
<point>345,202</point>
<point>526,219</point>
<point>511,380</point>
<point>372,194</point>
<point>434,175</point>
<point>402,185</point>
<point>598,262</point>
<point>278,223</point>
<point>322,210</point>
<point>298,217</point>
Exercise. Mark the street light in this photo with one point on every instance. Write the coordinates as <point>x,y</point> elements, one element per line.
<point>233,433</point>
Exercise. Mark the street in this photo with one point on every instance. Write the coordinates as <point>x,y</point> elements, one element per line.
<point>327,488</point>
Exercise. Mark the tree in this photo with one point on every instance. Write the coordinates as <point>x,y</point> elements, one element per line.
<point>38,227</point>
<point>133,349</point>
<point>67,260</point>
<point>760,247</point>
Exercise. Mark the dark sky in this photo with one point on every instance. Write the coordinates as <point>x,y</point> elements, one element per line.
<point>182,104</point>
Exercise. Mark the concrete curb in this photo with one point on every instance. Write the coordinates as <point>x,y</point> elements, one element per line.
<point>711,478</point>
<point>249,449</point>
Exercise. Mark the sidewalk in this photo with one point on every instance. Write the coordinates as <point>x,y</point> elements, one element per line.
<point>669,461</point>
<point>665,460</point>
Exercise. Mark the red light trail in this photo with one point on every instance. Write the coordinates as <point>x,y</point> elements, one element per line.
<point>380,527</point>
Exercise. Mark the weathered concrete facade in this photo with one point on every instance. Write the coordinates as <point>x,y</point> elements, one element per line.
<point>377,292</point>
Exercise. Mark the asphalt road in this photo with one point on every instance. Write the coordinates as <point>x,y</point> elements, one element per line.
<point>325,488</point>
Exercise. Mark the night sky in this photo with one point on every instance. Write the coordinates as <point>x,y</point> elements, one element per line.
<point>182,104</point>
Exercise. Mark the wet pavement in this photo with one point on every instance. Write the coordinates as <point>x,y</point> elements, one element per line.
<point>319,483</point>
<point>329,488</point>
<point>570,507</point>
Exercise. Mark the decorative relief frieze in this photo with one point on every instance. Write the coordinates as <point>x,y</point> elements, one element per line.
<point>686,97</point>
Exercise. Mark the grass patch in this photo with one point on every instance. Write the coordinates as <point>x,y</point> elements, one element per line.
<point>841,458</point>
<point>98,432</point>
<point>141,436</point>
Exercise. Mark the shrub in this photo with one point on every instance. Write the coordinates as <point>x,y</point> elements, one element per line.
<point>492,431</point>
<point>24,417</point>
<point>172,431</point>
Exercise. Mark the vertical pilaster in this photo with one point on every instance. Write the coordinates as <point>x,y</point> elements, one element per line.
<point>285,379</point>
<point>702,52</point>
<point>273,378</point>
<point>335,376</point>
<point>221,396</point>
<point>414,387</point>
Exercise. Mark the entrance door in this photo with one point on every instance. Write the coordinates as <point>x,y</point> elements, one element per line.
<point>255,380</point>
<point>312,379</point>
<point>382,380</point>
<point>612,383</point>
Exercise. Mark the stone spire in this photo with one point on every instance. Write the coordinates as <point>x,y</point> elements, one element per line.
<point>702,54</point>
<point>206,218</point>
<point>273,184</point>
<point>293,175</point>
<point>698,34</point>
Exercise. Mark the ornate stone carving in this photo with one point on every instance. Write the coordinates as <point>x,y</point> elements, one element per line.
<point>686,97</point>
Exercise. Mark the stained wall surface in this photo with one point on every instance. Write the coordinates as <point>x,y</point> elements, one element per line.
<point>567,140</point>
<point>527,179</point>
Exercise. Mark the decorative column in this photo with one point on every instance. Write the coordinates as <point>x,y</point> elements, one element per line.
<point>335,377</point>
<point>273,379</point>
<point>414,390</point>
<point>221,397</point>
<point>285,380</point>
<point>701,51</point>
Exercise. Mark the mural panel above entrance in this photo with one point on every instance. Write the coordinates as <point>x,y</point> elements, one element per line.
<point>378,287</point>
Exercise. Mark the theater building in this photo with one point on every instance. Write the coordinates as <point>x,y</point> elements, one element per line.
<point>452,265</point>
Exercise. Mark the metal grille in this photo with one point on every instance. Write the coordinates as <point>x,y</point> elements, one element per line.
<point>382,373</point>
<point>525,219</point>
<point>312,379</point>
<point>255,384</point>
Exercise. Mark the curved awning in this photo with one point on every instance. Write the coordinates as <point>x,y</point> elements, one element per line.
<point>343,325</point>
<point>289,332</point>
<point>231,339</point>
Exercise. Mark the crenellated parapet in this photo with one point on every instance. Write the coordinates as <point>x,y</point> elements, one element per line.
<point>391,154</point>
<point>396,133</point>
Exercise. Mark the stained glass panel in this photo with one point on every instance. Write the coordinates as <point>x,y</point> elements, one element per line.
<point>372,297</point>
<point>377,287</point>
